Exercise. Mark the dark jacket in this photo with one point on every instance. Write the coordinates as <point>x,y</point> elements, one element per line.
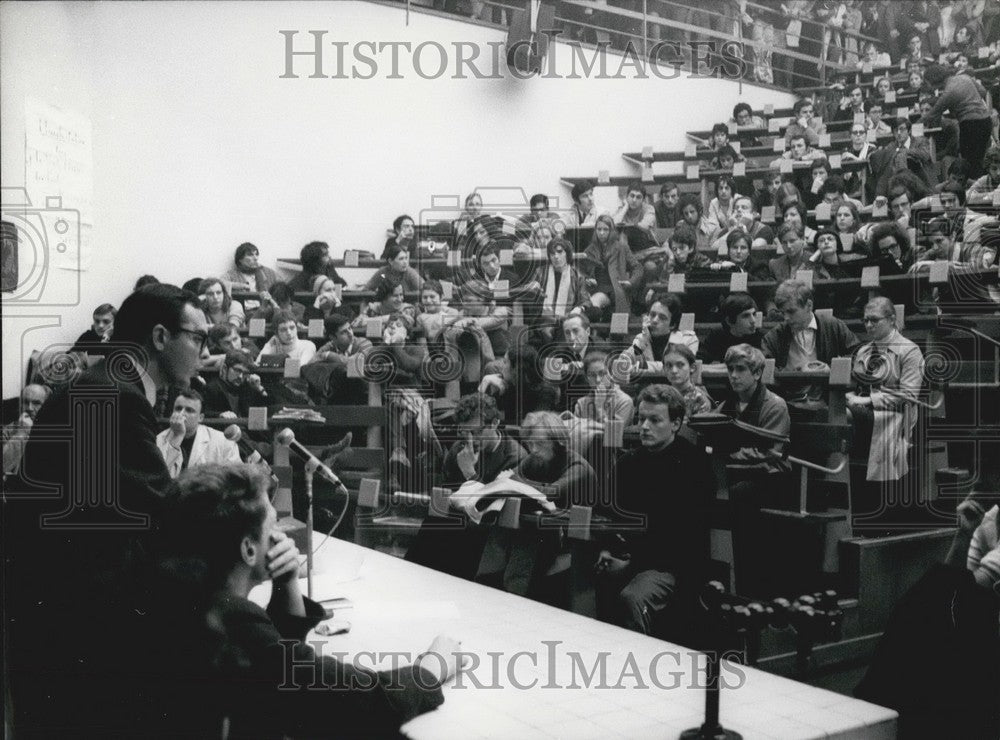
<point>672,489</point>
<point>713,349</point>
<point>833,339</point>
<point>766,410</point>
<point>68,554</point>
<point>227,657</point>
<point>220,397</point>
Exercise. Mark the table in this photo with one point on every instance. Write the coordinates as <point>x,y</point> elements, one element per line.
<point>400,606</point>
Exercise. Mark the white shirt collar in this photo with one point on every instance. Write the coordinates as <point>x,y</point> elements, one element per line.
<point>148,386</point>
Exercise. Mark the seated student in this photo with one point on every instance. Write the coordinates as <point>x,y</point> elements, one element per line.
<point>286,339</point>
<point>517,382</point>
<point>607,400</point>
<point>858,149</point>
<point>938,244</point>
<point>389,299</point>
<point>957,174</point>
<point>666,206</point>
<point>890,248</point>
<point>482,451</point>
<point>685,259</point>
<point>725,158</point>
<point>904,152</point>
<point>488,270</point>
<point>341,342</point>
<point>473,212</point>
<point>539,210</point>
<point>315,260</point>
<point>612,271</point>
<point>95,340</point>
<point>434,316</point>
<point>541,234</point>
<point>767,195</point>
<point>660,328</point>
<point>567,477</point>
<point>518,560</point>
<point>636,212</point>
<point>408,347</point>
<point>662,566</point>
<point>280,298</point>
<point>397,271</point>
<point>751,402</point>
<point>479,308</point>
<point>16,434</point>
<point>403,235</point>
<point>248,274</point>
<point>795,214</point>
<point>720,208</point>
<point>223,661</point>
<point>874,123</point>
<point>804,336</point>
<point>223,338</point>
<point>690,210</point>
<point>584,211</point>
<point>833,191</point>
<point>739,326</point>
<point>745,220</point>
<point>874,57</point>
<point>804,125</point>
<point>828,259</point>
<point>819,172</point>
<point>793,257</point>
<point>326,300</point>
<point>743,116</point>
<point>719,137</point>
<point>218,306</point>
<point>799,150</point>
<point>563,287</point>
<point>851,105</point>
<point>678,366</point>
<point>236,389</point>
<point>188,442</point>
<point>847,222</point>
<point>983,190</point>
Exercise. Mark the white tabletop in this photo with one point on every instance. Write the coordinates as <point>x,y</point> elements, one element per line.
<point>399,606</point>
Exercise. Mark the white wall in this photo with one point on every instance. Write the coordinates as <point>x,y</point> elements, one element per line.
<point>200,145</point>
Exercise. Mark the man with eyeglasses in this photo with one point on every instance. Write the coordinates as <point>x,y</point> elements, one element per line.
<point>859,149</point>
<point>889,372</point>
<point>71,549</point>
<point>236,389</point>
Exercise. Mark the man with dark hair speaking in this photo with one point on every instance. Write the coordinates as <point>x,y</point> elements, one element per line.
<point>660,495</point>
<point>93,481</point>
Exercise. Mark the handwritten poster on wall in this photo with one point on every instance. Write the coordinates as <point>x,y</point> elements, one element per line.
<point>59,177</point>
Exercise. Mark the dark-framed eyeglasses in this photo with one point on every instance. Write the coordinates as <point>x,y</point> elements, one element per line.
<point>201,336</point>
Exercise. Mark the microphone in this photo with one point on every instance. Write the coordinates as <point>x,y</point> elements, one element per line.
<point>234,434</point>
<point>287,437</point>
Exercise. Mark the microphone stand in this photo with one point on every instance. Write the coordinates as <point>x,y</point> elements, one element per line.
<point>310,470</point>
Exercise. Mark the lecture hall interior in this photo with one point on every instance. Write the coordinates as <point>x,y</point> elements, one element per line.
<point>501,369</point>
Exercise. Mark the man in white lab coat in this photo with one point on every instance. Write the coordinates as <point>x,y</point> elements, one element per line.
<point>187,443</point>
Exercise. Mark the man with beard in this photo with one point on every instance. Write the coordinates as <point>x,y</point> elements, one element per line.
<point>518,559</point>
<point>659,497</point>
<point>236,389</point>
<point>71,548</point>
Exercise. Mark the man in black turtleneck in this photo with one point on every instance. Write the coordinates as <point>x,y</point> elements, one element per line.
<point>660,495</point>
